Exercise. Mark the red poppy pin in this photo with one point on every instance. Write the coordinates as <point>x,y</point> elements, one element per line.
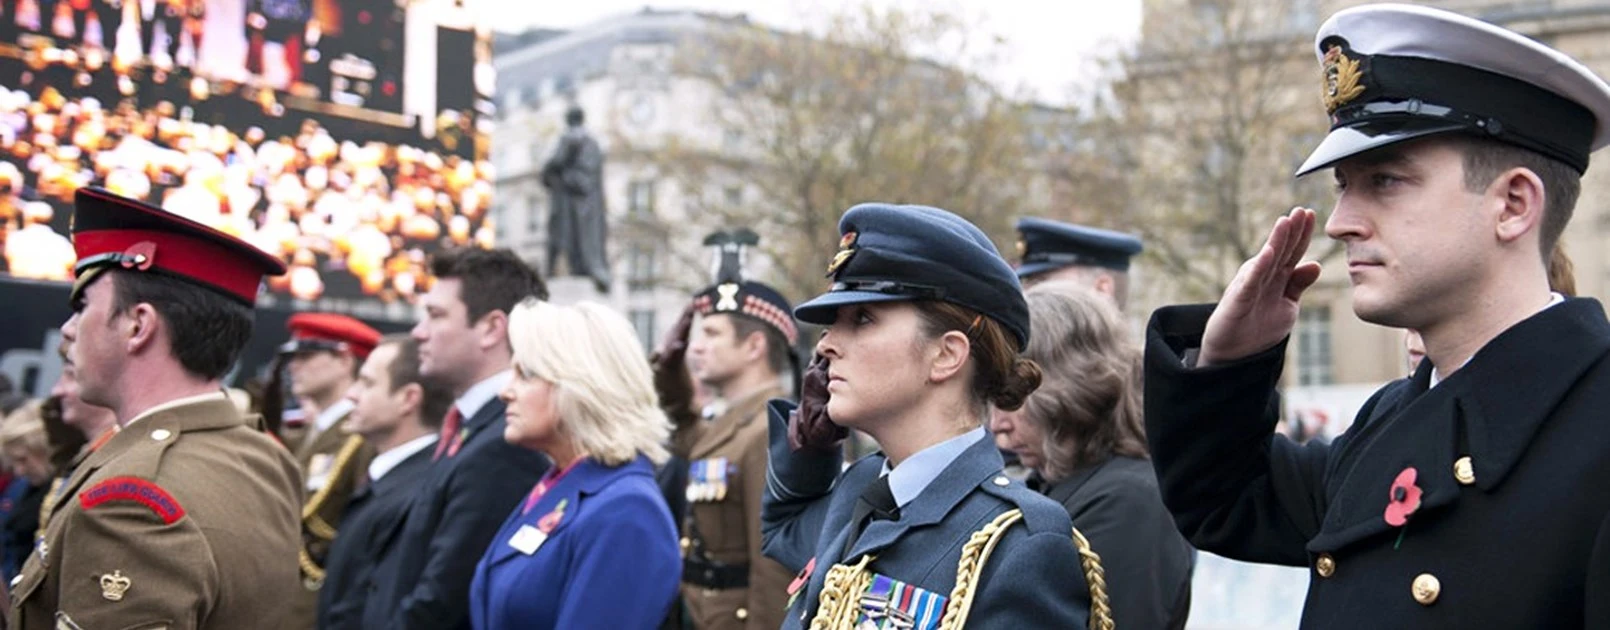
<point>1405,498</point>
<point>804,576</point>
<point>551,519</point>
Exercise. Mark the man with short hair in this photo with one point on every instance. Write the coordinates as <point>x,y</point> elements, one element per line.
<point>746,331</point>
<point>394,410</point>
<point>187,517</point>
<point>1099,259</point>
<point>1462,497</point>
<point>423,581</point>
<point>96,423</point>
<point>323,353</point>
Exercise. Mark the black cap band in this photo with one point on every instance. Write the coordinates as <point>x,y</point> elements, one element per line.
<point>1486,103</point>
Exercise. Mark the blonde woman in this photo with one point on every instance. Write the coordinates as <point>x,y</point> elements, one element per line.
<point>1081,434</point>
<point>25,448</point>
<point>593,546</point>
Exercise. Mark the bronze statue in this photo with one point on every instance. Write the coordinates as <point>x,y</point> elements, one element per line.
<point>577,224</point>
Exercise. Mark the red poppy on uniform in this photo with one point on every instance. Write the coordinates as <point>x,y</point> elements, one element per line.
<point>1405,498</point>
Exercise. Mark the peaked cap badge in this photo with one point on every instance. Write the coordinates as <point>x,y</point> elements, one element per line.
<point>1342,78</point>
<point>846,250</point>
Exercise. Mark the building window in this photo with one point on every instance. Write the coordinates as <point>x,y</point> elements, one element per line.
<point>640,199</point>
<point>642,267</point>
<point>643,323</point>
<point>735,195</point>
<point>1314,347</point>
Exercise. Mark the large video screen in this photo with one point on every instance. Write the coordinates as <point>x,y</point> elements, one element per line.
<point>310,128</point>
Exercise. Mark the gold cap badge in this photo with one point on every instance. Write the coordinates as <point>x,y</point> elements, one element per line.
<point>1341,79</point>
<point>846,250</point>
<point>114,585</point>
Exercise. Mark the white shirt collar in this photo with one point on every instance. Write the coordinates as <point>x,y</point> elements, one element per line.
<point>912,476</point>
<point>329,416</point>
<point>384,462</point>
<point>177,402</point>
<point>481,393</point>
<point>1554,298</point>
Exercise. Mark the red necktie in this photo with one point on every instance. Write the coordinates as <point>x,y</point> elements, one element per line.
<point>449,434</point>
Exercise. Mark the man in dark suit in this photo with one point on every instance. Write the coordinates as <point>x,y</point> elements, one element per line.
<point>394,411</point>
<point>1462,497</point>
<point>476,478</point>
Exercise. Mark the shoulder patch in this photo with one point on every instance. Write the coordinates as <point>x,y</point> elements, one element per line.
<point>136,490</point>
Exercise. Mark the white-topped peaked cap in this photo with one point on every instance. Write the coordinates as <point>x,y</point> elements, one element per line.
<point>1395,72</point>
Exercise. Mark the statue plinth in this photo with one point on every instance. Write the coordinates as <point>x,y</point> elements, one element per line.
<point>572,289</point>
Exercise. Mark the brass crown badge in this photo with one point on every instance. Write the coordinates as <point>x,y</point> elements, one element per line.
<point>114,585</point>
<point>1342,79</point>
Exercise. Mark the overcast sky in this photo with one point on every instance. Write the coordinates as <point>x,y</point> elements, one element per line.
<point>1050,46</point>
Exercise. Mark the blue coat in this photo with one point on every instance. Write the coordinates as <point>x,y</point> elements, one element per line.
<point>610,561</point>
<point>1032,580</point>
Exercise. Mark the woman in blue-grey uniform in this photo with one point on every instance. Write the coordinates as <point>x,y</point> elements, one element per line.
<point>924,321</point>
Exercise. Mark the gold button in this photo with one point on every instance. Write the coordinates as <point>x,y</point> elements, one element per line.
<point>1464,471</point>
<point>742,614</point>
<point>1325,565</point>
<point>687,543</point>
<point>1427,588</point>
<point>1002,482</point>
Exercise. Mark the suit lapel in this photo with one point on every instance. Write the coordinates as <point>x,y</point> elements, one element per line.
<point>477,424</point>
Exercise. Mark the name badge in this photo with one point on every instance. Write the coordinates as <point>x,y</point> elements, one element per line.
<point>528,539</point>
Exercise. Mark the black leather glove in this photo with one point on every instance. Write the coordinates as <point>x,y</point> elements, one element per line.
<point>809,426</point>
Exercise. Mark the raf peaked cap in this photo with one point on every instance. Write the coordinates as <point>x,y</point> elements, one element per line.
<point>1045,245</point>
<point>1394,72</point>
<point>114,232</point>
<point>330,331</point>
<point>891,253</point>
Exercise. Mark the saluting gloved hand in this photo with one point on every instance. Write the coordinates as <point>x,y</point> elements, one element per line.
<point>809,425</point>
<point>671,379</point>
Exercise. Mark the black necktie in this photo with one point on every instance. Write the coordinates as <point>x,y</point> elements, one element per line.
<point>875,503</point>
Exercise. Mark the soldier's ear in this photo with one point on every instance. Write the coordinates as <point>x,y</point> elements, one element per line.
<point>142,325</point>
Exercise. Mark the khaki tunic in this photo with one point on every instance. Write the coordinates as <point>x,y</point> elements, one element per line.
<point>730,526</point>
<point>185,519</point>
<point>343,457</point>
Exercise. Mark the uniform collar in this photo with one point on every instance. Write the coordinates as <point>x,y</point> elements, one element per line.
<point>912,476</point>
<point>1490,410</point>
<point>481,393</point>
<point>1554,299</point>
<point>178,402</point>
<point>333,413</point>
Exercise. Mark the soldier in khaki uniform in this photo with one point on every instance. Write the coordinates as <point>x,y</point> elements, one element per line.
<point>744,341</point>
<point>187,517</point>
<point>323,354</point>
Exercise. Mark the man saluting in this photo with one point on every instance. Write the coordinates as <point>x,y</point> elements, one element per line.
<point>1467,496</point>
